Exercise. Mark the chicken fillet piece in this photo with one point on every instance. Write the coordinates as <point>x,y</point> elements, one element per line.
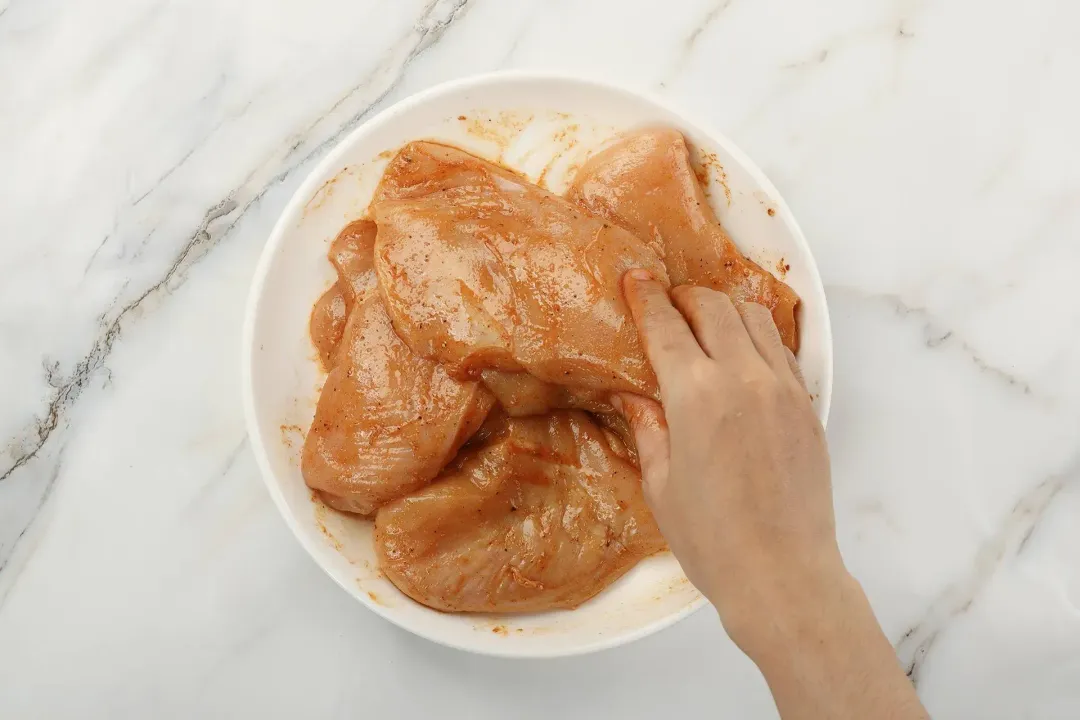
<point>482,270</point>
<point>520,394</point>
<point>387,420</point>
<point>645,183</point>
<point>351,254</point>
<point>544,515</point>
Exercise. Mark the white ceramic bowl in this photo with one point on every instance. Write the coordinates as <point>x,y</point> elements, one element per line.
<point>544,126</point>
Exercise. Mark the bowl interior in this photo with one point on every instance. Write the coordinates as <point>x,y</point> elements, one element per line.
<point>544,127</point>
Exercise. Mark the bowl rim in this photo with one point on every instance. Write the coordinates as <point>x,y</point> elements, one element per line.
<point>312,183</point>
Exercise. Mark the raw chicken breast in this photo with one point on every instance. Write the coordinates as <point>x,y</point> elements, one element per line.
<point>327,324</point>
<point>483,270</point>
<point>521,394</point>
<point>620,436</point>
<point>544,515</point>
<point>645,183</point>
<point>351,254</point>
<point>387,420</point>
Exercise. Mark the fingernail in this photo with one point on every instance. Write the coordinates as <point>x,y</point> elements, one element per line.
<point>639,274</point>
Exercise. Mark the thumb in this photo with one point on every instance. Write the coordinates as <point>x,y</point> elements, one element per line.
<point>647,421</point>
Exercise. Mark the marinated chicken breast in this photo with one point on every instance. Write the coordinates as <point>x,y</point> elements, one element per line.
<point>646,184</point>
<point>327,324</point>
<point>483,270</point>
<point>351,254</point>
<point>620,436</point>
<point>387,420</point>
<point>521,394</point>
<point>544,515</point>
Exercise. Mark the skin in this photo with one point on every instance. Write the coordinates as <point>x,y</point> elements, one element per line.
<point>736,471</point>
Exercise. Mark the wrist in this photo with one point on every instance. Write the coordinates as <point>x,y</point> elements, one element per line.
<point>826,655</point>
<point>792,608</point>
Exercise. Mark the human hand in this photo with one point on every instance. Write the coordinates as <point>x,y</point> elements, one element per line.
<point>736,472</point>
<point>734,463</point>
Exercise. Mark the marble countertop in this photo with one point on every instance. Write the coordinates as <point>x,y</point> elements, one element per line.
<point>927,147</point>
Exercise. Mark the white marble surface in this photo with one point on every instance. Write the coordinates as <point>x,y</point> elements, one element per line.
<point>928,148</point>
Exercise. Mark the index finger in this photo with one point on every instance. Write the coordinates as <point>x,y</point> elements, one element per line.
<point>669,343</point>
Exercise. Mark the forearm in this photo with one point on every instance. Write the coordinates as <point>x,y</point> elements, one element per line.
<point>828,658</point>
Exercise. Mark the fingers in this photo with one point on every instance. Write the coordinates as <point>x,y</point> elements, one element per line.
<point>716,324</point>
<point>696,321</point>
<point>650,429</point>
<point>795,369</point>
<point>766,338</point>
<point>668,342</point>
